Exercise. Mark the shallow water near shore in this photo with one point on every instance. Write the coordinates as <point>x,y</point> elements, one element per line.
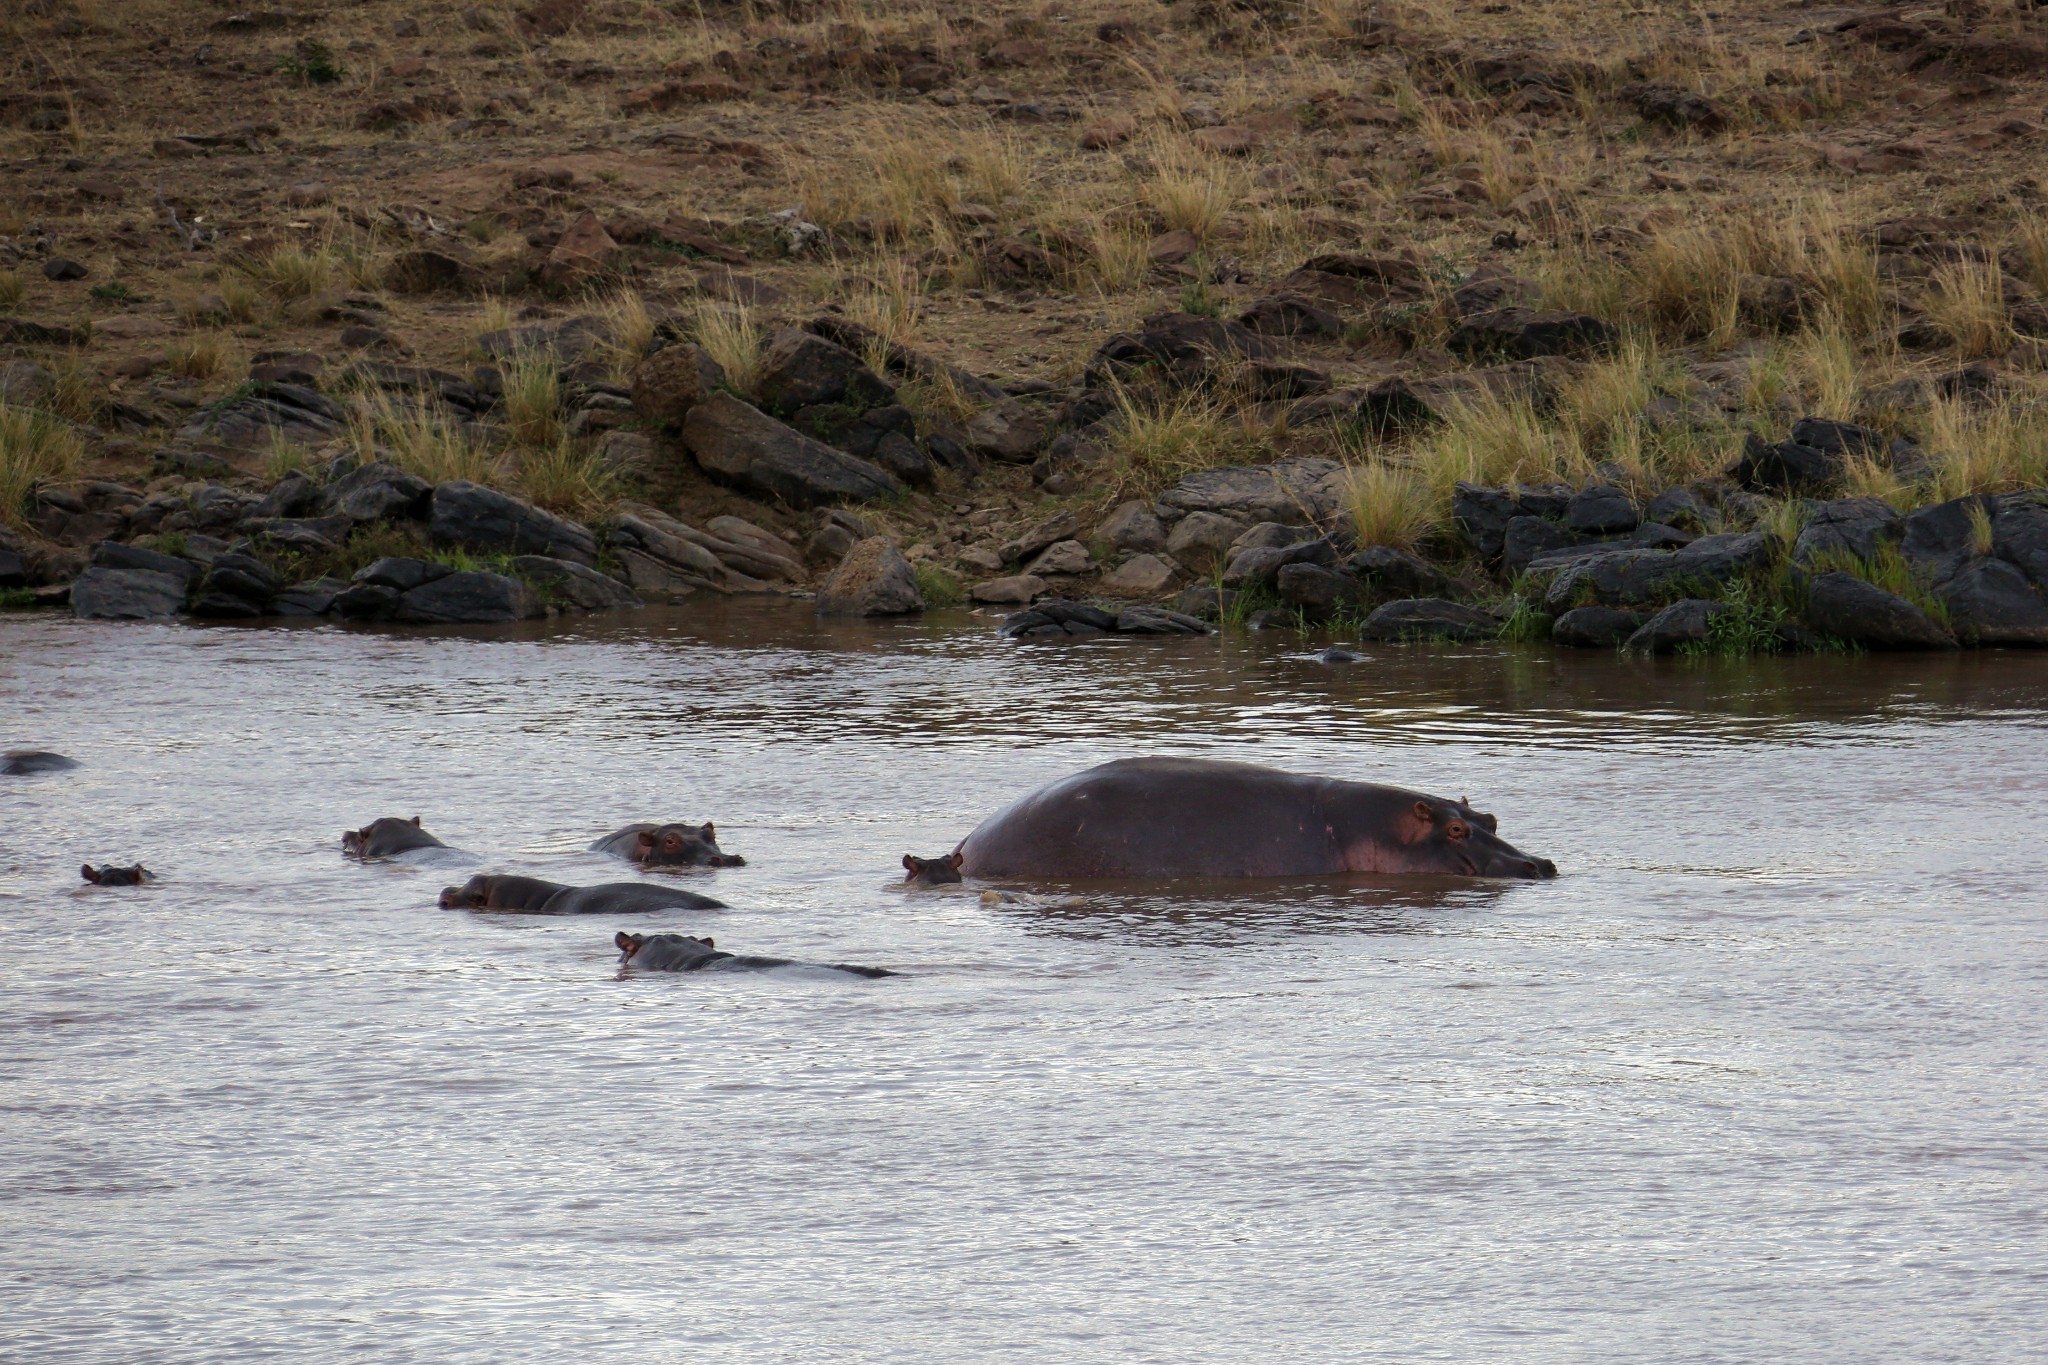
<point>1759,1077</point>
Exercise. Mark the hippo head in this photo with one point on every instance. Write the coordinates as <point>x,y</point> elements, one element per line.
<point>355,842</point>
<point>117,876</point>
<point>1450,837</point>
<point>933,871</point>
<point>474,894</point>
<point>629,945</point>
<point>684,846</point>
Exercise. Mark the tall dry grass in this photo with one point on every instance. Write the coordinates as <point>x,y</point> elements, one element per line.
<point>36,448</point>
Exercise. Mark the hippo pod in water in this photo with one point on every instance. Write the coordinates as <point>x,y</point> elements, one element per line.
<point>1192,817</point>
<point>117,876</point>
<point>532,896</point>
<point>676,845</point>
<point>681,953</point>
<point>22,762</point>
<point>382,838</point>
<point>932,871</point>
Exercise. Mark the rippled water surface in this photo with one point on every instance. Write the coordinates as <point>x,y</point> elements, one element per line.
<point>1759,1077</point>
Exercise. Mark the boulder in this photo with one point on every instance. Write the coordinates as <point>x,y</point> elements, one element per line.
<point>480,518</point>
<point>236,585</point>
<point>1601,510</point>
<point>2020,535</point>
<point>1397,571</point>
<point>1201,539</point>
<point>582,254</point>
<point>1686,622</point>
<point>1523,333</point>
<point>565,583</point>
<point>1003,591</point>
<point>1288,491</point>
<point>310,535</point>
<point>1846,526</point>
<point>1133,526</point>
<point>365,602</point>
<point>667,384</point>
<point>1481,515</point>
<point>1552,500</point>
<point>1787,467</point>
<point>1939,540</point>
<point>802,369</point>
<point>1595,627</point>
<point>873,580</point>
<point>112,554</point>
<point>260,413</point>
<point>466,598</point>
<point>1291,315</point>
<point>314,597</point>
<point>1144,575</point>
<point>1429,618</point>
<point>740,445</point>
<point>1680,506</point>
<point>294,495</point>
<point>1991,603</point>
<point>1062,557</point>
<point>379,492</point>
<point>1009,432</point>
<point>1847,608</point>
<point>1182,349</point>
<point>127,594</point>
<point>1157,621</point>
<point>1641,577</point>
<point>1259,566</point>
<point>1839,439</point>
<point>1528,537</point>
<point>1057,527</point>
<point>400,573</point>
<point>1317,590</point>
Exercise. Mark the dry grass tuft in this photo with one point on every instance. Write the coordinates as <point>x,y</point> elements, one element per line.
<point>1966,300</point>
<point>733,339</point>
<point>78,393</point>
<point>1155,444</point>
<point>567,477</point>
<point>1984,449</point>
<point>629,331</point>
<point>1392,506</point>
<point>425,439</point>
<point>1191,190</point>
<point>532,402</point>
<point>13,289</point>
<point>36,448</point>
<point>202,356</point>
<point>1495,439</point>
<point>290,273</point>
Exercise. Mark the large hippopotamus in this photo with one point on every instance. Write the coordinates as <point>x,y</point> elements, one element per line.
<point>22,762</point>
<point>532,896</point>
<point>681,953</point>
<point>117,876</point>
<point>1195,817</point>
<point>675,845</point>
<point>384,837</point>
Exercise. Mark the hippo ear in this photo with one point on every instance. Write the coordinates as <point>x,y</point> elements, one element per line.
<point>909,863</point>
<point>646,838</point>
<point>707,832</point>
<point>957,859</point>
<point>709,944</point>
<point>415,821</point>
<point>623,941</point>
<point>1424,813</point>
<point>90,873</point>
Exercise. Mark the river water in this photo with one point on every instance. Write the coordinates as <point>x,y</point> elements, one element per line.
<point>1759,1077</point>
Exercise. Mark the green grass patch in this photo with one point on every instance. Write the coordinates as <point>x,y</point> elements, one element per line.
<point>1526,622</point>
<point>940,588</point>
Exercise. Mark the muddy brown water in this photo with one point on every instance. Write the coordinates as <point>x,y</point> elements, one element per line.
<point>1758,1078</point>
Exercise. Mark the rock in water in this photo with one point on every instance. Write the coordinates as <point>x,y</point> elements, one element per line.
<point>1848,608</point>
<point>873,580</point>
<point>740,445</point>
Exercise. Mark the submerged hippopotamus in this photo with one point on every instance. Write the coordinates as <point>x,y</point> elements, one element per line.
<point>382,838</point>
<point>22,762</point>
<point>1195,817</point>
<point>668,846</point>
<point>681,953</point>
<point>117,876</point>
<point>932,871</point>
<point>532,896</point>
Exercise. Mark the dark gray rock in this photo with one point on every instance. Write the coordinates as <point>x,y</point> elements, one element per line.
<point>1550,500</point>
<point>901,456</point>
<point>1524,333</point>
<point>365,602</point>
<point>1938,541</point>
<point>801,369</point>
<point>1387,569</point>
<point>1317,590</point>
<point>1595,627</point>
<point>1601,510</point>
<point>310,534</point>
<point>1418,618</point>
<point>378,492</point>
<point>399,573</point>
<point>2020,535</point>
<point>1291,315</point>
<point>112,554</point>
<point>1257,567</point>
<point>1203,602</point>
<point>127,594</point>
<point>1682,623</point>
<point>1182,349</point>
<point>1852,526</point>
<point>564,583</point>
<point>1528,537</point>
<point>294,495</point>
<point>1286,491</point>
<point>1990,602</point>
<point>1482,515</point>
<point>874,579</point>
<point>1847,608</point>
<point>480,518</point>
<point>236,585</point>
<point>1840,439</point>
<point>315,597</point>
<point>1787,467</point>
<point>469,597</point>
<point>742,446</point>
<point>1157,621</point>
<point>1653,535</point>
<point>1680,507</point>
<point>263,412</point>
<point>1642,577</point>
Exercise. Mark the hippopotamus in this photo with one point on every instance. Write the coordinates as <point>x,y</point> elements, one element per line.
<point>382,838</point>
<point>932,871</point>
<point>1195,817</point>
<point>668,846</point>
<point>532,896</point>
<point>117,876</point>
<point>681,953</point>
<point>22,762</point>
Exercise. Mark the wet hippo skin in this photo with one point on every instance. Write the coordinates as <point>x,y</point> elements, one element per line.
<point>1191,817</point>
<point>532,896</point>
<point>671,845</point>
<point>681,953</point>
<point>384,837</point>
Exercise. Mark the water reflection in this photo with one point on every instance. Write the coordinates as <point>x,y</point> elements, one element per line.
<point>1220,913</point>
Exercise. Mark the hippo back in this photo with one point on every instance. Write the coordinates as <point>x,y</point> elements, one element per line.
<point>624,898</point>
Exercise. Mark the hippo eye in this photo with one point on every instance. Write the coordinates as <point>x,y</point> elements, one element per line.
<point>1456,830</point>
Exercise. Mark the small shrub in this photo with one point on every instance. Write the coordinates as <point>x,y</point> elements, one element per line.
<point>36,448</point>
<point>1749,626</point>
<point>1196,297</point>
<point>939,587</point>
<point>311,62</point>
<point>113,291</point>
